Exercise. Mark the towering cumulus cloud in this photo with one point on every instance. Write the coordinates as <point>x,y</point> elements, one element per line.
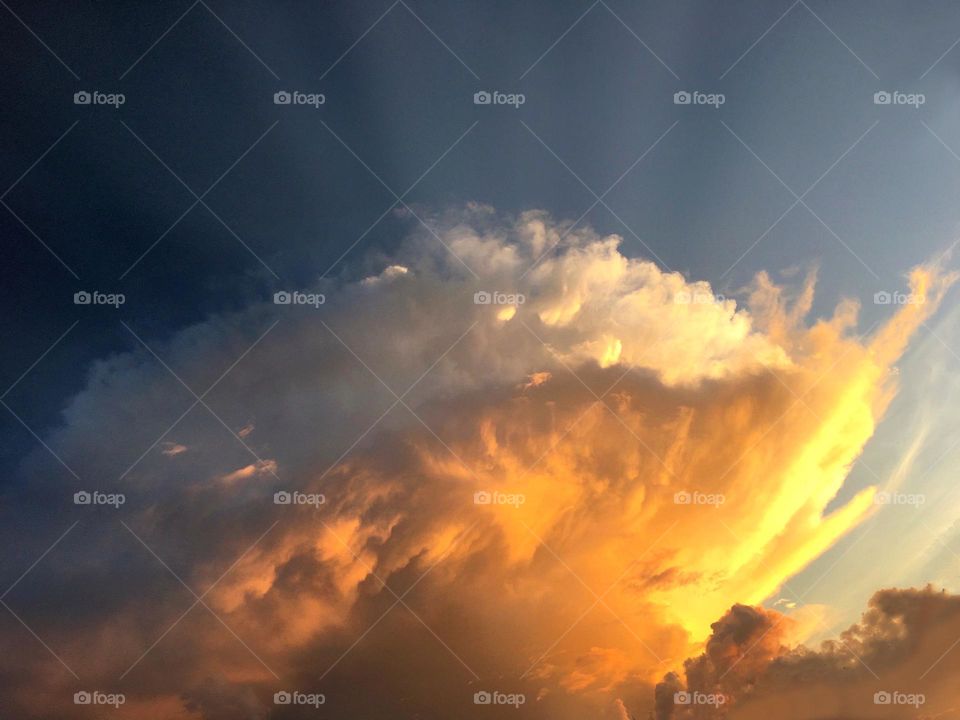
<point>514,466</point>
<point>895,663</point>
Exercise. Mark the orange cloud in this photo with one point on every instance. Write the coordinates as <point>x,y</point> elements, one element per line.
<point>897,662</point>
<point>559,507</point>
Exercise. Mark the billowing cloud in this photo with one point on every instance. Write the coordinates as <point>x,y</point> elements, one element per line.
<point>493,467</point>
<point>897,662</point>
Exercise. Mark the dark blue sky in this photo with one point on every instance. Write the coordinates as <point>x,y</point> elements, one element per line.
<point>398,80</point>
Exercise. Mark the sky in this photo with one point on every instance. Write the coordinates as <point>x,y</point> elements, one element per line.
<point>587,396</point>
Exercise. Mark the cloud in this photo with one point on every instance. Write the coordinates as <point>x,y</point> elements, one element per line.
<point>897,662</point>
<point>172,449</point>
<point>555,501</point>
<point>216,699</point>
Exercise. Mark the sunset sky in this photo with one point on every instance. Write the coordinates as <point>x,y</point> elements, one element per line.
<point>429,360</point>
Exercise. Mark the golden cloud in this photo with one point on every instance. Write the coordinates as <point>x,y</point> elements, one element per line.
<point>562,505</point>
